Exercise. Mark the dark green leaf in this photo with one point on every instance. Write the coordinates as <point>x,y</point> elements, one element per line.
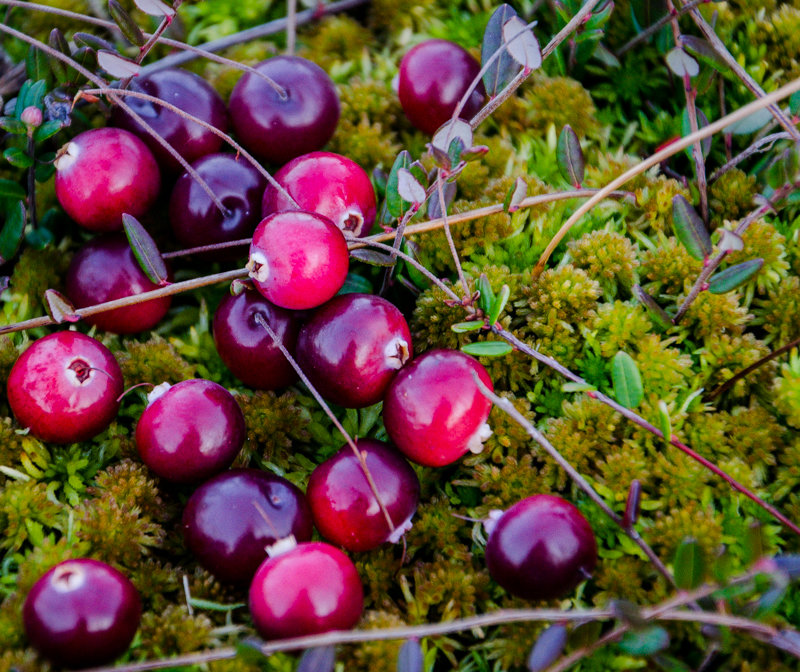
<point>585,634</point>
<point>320,659</point>
<point>690,229</point>
<point>655,311</point>
<point>549,646</point>
<point>44,171</point>
<point>59,307</point>
<point>37,65</point>
<point>198,603</point>
<point>503,69</point>
<point>145,250</point>
<point>126,24</point>
<point>686,129</point>
<point>10,189</point>
<point>487,349</point>
<point>486,298</point>
<point>647,12</point>
<point>30,96</point>
<point>702,49</point>
<point>794,102</point>
<point>13,125</point>
<point>734,276</point>
<point>394,203</point>
<point>670,664</point>
<point>570,157</point>
<point>499,304</point>
<point>410,657</point>
<point>12,231</point>
<point>626,380</point>
<point>16,157</point>
<point>355,284</point>
<point>463,327</point>
<point>644,642</point>
<point>413,273</point>
<point>57,41</point>
<point>516,194</point>
<point>47,130</point>
<point>785,169</point>
<point>39,238</point>
<point>688,567</point>
<point>249,650</point>
<point>373,257</point>
<point>92,41</point>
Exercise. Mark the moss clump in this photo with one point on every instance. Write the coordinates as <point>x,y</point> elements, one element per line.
<point>565,294</point>
<point>617,326</point>
<point>780,32</point>
<point>369,144</point>
<point>692,520</point>
<point>154,361</point>
<point>37,271</point>
<point>669,268</point>
<point>274,422</point>
<point>445,589</point>
<point>655,203</point>
<point>726,355</point>
<point>608,257</point>
<point>715,313</point>
<point>762,240</point>
<point>335,39</point>
<point>779,312</point>
<point>27,510</point>
<point>731,196</point>
<point>173,631</point>
<point>393,15</point>
<point>786,393</point>
<point>379,655</point>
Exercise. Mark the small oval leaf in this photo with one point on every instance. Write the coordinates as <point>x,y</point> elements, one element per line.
<point>145,250</point>
<point>690,229</point>
<point>394,202</point>
<point>12,232</point>
<point>450,131</point>
<point>702,49</point>
<point>126,24</point>
<point>516,194</point>
<point>373,257</point>
<point>10,189</point>
<point>435,209</point>
<point>486,293</point>
<point>59,307</point>
<point>570,156</point>
<point>688,567</point>
<point>320,659</point>
<point>410,657</point>
<point>626,380</point>
<point>665,422</point>
<point>750,124</point>
<point>409,189</point>
<point>487,349</point>
<point>356,284</point>
<point>155,8</point>
<point>16,157</point>
<point>116,65</point>
<point>734,276</point>
<point>522,44</point>
<point>499,304</point>
<point>549,646</point>
<point>659,315</point>
<point>503,68</point>
<point>463,327</point>
<point>730,241</point>
<point>682,64</point>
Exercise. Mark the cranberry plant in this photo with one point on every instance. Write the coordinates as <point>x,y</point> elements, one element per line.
<point>585,213</point>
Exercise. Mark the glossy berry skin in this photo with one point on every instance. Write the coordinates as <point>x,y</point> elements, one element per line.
<point>433,410</point>
<point>275,129</point>
<point>344,507</point>
<point>191,432</point>
<point>105,269</point>
<point>246,347</point>
<point>188,92</point>
<point>352,348</point>
<point>103,173</point>
<point>328,184</point>
<point>64,387</point>
<point>298,259</point>
<point>541,548</point>
<point>308,590</point>
<point>434,76</point>
<point>194,217</point>
<point>82,613</point>
<point>230,520</point>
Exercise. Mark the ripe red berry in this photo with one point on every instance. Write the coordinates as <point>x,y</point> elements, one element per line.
<point>328,184</point>
<point>308,590</point>
<point>433,409</point>
<point>106,269</point>
<point>278,129</point>
<point>298,259</point>
<point>434,76</point>
<point>352,347</point>
<point>82,613</point>
<point>190,431</point>
<point>541,548</point>
<point>103,173</point>
<point>344,506</point>
<point>64,387</point>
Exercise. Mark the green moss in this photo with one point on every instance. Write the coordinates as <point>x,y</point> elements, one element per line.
<point>669,529</point>
<point>27,513</point>
<point>617,326</point>
<point>668,268</point>
<point>608,257</point>
<point>710,314</point>
<point>779,312</point>
<point>173,631</point>
<point>731,196</point>
<point>379,655</point>
<point>762,240</point>
<point>780,32</point>
<point>335,39</point>
<point>155,361</point>
<point>726,355</point>
<point>274,421</point>
<point>786,392</point>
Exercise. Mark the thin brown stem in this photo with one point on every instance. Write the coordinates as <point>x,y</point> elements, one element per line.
<point>449,236</point>
<point>658,25</point>
<point>291,26</point>
<point>761,145</point>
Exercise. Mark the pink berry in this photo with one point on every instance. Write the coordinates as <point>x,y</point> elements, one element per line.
<point>82,613</point>
<point>352,347</point>
<point>328,184</point>
<point>190,431</point>
<point>434,76</point>
<point>344,506</point>
<point>541,548</point>
<point>298,259</point>
<point>103,173</point>
<point>433,410</point>
<point>64,387</point>
<point>310,589</point>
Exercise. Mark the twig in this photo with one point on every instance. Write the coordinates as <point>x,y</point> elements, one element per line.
<point>658,25</point>
<point>291,26</point>
<point>761,145</point>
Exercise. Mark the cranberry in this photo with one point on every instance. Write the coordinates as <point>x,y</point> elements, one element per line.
<point>434,76</point>
<point>328,184</point>
<point>352,347</point>
<point>195,218</point>
<point>344,506</point>
<point>190,431</point>
<point>103,173</point>
<point>310,589</point>
<point>82,613</point>
<point>541,548</point>
<point>230,520</point>
<point>105,269</point>
<point>277,128</point>
<point>64,387</point>
<point>298,259</point>
<point>434,411</point>
<point>187,91</point>
<point>247,348</point>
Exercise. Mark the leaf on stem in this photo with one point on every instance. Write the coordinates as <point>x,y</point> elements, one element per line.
<point>435,209</point>
<point>570,156</point>
<point>126,24</point>
<point>499,304</point>
<point>487,349</point>
<point>16,157</point>
<point>626,380</point>
<point>116,65</point>
<point>37,64</point>
<point>516,194</point>
<point>320,659</point>
<point>12,232</point>
<point>464,327</point>
<point>730,241</point>
<point>549,646</point>
<point>59,307</point>
<point>682,64</point>
<point>155,8</point>
<point>486,298</point>
<point>503,69</point>
<point>521,43</point>
<point>655,311</point>
<point>409,188</point>
<point>373,257</point>
<point>664,420</point>
<point>454,129</point>
<point>10,189</point>
<point>145,250</point>
<point>410,657</point>
<point>702,49</point>
<point>689,567</point>
<point>734,276</point>
<point>394,202</point>
<point>91,41</point>
<point>690,229</point>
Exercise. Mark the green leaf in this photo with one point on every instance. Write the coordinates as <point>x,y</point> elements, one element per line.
<point>44,171</point>
<point>570,156</point>
<point>30,95</point>
<point>10,189</point>
<point>656,312</point>
<point>16,157</point>
<point>394,203</point>
<point>355,284</point>
<point>126,24</point>
<point>486,298</point>
<point>47,130</point>
<point>39,238</point>
<point>665,422</point>
<point>198,603</point>
<point>626,380</point>
<point>12,232</point>
<point>688,567</point>
<point>145,250</point>
<point>487,349</point>
<point>690,229</point>
<point>644,642</point>
<point>37,65</point>
<point>413,273</point>
<point>499,304</point>
<point>702,49</point>
<point>578,387</point>
<point>57,41</point>
<point>750,124</point>
<point>13,125</point>
<point>373,257</point>
<point>516,194</point>
<point>686,129</point>
<point>464,327</point>
<point>504,68</point>
<point>734,276</point>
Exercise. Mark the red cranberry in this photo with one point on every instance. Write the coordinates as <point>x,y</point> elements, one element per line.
<point>352,347</point>
<point>191,431</point>
<point>247,348</point>
<point>328,184</point>
<point>64,387</point>
<point>230,520</point>
<point>344,506</point>
<point>298,259</point>
<point>82,613</point>
<point>105,269</point>
<point>193,95</point>
<point>310,589</point>
<point>195,218</point>
<point>434,76</point>
<point>278,129</point>
<point>541,548</point>
<point>434,411</point>
<point>103,173</point>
